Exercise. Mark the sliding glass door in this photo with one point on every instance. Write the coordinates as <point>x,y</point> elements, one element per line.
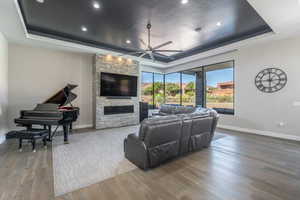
<point>147,88</point>
<point>207,86</point>
<point>173,88</point>
<point>220,87</point>
<point>159,90</point>
<point>188,89</point>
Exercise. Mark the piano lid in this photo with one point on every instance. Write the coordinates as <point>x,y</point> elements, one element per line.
<point>64,96</point>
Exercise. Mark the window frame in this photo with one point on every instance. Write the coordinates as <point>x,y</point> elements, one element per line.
<point>153,95</point>
<point>180,86</point>
<point>220,111</point>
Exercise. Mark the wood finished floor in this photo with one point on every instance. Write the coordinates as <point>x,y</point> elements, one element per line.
<point>236,167</point>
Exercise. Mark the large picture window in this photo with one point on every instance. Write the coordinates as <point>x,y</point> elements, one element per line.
<point>188,89</point>
<point>147,88</point>
<point>159,90</point>
<point>153,89</point>
<point>219,92</point>
<point>207,86</point>
<point>173,88</point>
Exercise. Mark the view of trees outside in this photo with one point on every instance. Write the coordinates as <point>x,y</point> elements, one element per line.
<point>159,97</point>
<point>220,88</point>
<point>147,88</point>
<point>188,89</point>
<point>172,84</point>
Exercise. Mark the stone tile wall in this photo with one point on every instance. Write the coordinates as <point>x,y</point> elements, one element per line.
<point>112,64</point>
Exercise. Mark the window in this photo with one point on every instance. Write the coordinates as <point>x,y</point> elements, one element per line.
<point>208,86</point>
<point>219,92</point>
<point>152,88</point>
<point>147,88</point>
<point>159,93</point>
<point>172,88</point>
<point>188,89</point>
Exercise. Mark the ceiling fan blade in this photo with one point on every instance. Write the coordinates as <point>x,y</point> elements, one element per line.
<point>176,51</point>
<point>144,43</point>
<point>131,53</point>
<point>152,57</point>
<point>162,45</point>
<point>141,56</point>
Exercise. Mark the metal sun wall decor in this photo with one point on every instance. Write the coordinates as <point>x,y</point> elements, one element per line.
<point>271,80</point>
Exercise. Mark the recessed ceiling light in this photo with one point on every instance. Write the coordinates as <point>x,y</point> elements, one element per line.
<point>128,41</point>
<point>84,29</point>
<point>219,24</point>
<point>108,57</point>
<point>184,1</point>
<point>96,5</point>
<point>40,1</point>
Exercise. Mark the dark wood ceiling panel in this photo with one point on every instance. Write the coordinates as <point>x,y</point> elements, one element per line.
<point>116,21</point>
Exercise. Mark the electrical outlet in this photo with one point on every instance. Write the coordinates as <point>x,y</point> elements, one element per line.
<point>281,124</point>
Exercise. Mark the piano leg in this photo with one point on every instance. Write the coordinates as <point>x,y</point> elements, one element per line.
<point>49,133</point>
<point>66,133</point>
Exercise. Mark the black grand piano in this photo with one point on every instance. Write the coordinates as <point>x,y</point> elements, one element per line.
<point>53,112</point>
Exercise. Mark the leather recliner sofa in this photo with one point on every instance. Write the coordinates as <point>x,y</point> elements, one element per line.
<point>169,135</point>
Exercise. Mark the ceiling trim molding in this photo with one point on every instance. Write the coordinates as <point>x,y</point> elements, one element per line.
<point>72,46</point>
<point>85,48</point>
<point>20,14</point>
<point>222,50</point>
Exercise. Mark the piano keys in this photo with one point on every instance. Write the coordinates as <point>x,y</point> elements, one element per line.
<point>54,111</point>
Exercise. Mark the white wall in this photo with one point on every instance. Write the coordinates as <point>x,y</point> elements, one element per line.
<point>259,112</point>
<point>3,85</point>
<point>147,68</point>
<point>35,74</point>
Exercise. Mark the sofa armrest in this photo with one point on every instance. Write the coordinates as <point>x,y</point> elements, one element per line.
<point>136,151</point>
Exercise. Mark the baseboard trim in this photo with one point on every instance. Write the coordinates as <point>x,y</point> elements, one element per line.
<point>78,126</point>
<point>260,132</point>
<point>84,126</point>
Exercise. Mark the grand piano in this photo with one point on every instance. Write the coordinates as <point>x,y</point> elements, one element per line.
<point>53,112</point>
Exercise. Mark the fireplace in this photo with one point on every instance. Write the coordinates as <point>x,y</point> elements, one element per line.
<point>114,110</point>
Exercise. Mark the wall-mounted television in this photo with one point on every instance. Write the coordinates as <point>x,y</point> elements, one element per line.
<point>117,85</point>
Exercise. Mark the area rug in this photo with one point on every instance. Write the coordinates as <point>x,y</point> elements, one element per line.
<point>90,157</point>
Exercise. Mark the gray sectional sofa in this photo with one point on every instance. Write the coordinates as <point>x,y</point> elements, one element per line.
<point>173,132</point>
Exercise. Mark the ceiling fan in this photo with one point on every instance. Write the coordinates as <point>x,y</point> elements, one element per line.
<point>149,50</point>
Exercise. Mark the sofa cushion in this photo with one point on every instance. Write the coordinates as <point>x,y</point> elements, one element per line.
<point>183,109</point>
<point>167,109</point>
<point>200,141</point>
<point>161,153</point>
<point>156,121</point>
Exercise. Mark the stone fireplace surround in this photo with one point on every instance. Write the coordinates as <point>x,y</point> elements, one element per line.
<point>111,64</point>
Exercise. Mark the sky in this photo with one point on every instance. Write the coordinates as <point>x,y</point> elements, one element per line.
<point>212,77</point>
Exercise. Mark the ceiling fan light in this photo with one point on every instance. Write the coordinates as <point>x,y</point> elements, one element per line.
<point>129,60</point>
<point>84,29</point>
<point>184,1</point>
<point>96,5</point>
<point>108,57</point>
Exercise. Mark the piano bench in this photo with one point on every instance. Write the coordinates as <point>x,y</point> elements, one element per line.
<point>32,135</point>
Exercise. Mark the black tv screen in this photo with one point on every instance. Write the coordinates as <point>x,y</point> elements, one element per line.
<point>117,85</point>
